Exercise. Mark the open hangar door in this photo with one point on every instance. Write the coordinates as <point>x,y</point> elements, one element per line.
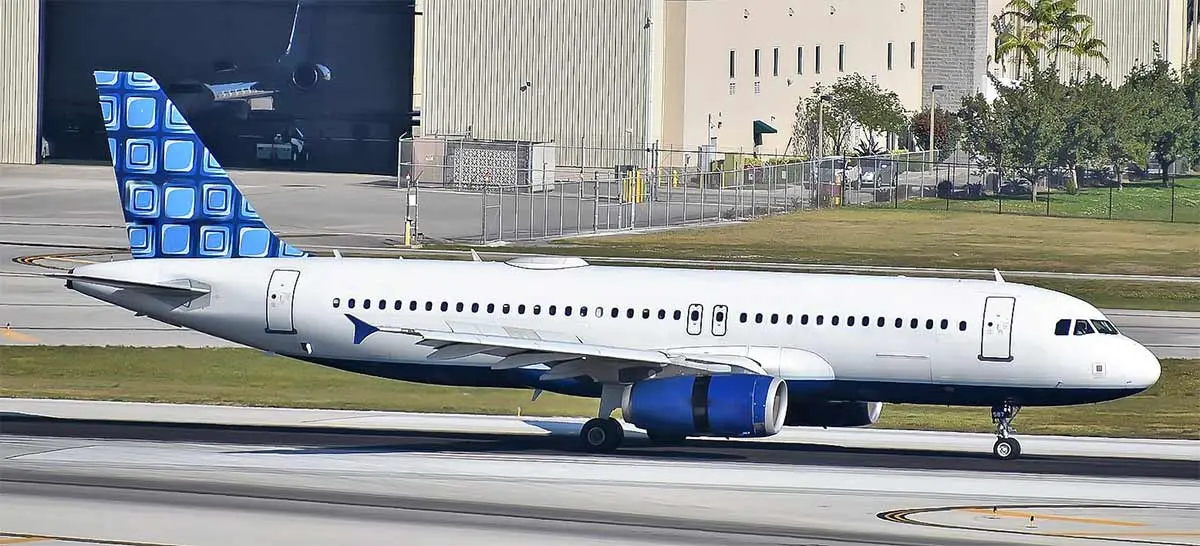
<point>316,85</point>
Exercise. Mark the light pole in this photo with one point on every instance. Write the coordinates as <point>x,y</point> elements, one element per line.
<point>933,115</point>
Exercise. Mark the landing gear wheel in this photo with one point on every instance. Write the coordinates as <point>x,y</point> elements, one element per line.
<point>665,438</point>
<point>1007,449</point>
<point>601,435</point>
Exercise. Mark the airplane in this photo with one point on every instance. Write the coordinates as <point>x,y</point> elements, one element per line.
<point>681,352</point>
<point>293,69</point>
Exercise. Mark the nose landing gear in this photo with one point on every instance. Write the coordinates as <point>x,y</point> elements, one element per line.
<point>1006,447</point>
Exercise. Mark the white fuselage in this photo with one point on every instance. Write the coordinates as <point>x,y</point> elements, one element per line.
<point>898,339</point>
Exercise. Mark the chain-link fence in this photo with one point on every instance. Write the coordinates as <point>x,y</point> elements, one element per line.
<point>515,191</point>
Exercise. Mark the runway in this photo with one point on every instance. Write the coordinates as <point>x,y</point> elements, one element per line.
<point>366,478</point>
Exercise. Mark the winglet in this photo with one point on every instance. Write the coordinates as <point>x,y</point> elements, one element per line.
<point>361,329</point>
<point>996,272</point>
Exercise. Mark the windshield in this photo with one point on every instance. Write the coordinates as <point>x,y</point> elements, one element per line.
<point>1105,327</point>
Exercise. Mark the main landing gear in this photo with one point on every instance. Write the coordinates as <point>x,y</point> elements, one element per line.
<point>1006,447</point>
<point>604,434</point>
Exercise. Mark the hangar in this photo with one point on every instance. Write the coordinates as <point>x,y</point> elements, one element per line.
<point>677,73</point>
<point>285,84</point>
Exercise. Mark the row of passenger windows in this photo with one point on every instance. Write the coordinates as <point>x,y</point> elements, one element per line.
<point>662,314</point>
<point>1084,327</point>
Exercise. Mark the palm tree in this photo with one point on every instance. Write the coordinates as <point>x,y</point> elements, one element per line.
<point>1065,20</point>
<point>1022,42</point>
<point>1083,43</point>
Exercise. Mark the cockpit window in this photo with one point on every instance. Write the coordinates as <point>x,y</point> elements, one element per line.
<point>1083,328</point>
<point>1063,327</point>
<point>1105,327</point>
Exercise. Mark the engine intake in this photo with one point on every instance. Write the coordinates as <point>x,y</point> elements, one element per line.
<point>727,405</point>
<point>833,414</point>
<point>306,76</point>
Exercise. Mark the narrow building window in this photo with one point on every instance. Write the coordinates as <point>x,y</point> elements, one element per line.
<point>912,54</point>
<point>889,56</point>
<point>800,60</point>
<point>841,57</point>
<point>817,60</point>
<point>732,64</point>
<point>756,71</point>
<point>775,62</point>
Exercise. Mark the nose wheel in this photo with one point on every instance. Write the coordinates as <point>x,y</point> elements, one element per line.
<point>1006,447</point>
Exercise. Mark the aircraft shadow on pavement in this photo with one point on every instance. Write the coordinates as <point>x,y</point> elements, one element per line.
<point>313,441</point>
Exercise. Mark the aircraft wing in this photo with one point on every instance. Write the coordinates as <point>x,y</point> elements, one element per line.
<point>565,358</point>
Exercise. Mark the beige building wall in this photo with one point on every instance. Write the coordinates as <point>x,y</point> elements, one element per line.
<point>702,34</point>
<point>20,72</point>
<point>561,70</point>
<point>1129,28</point>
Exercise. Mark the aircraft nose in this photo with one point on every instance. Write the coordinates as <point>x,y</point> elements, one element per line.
<point>1143,367</point>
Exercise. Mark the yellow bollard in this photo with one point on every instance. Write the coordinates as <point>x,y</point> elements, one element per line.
<point>408,233</point>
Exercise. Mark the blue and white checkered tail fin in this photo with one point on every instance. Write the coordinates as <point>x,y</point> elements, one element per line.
<point>178,201</point>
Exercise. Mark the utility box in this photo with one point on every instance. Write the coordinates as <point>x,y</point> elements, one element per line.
<point>469,164</point>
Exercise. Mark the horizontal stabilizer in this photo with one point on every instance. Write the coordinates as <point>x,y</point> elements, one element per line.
<point>182,287</point>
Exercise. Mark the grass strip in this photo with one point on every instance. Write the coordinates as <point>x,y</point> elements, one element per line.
<point>1171,409</point>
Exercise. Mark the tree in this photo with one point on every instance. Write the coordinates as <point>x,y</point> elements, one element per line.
<point>1084,44</point>
<point>948,128</point>
<point>1190,79</point>
<point>1084,139</point>
<point>851,103</point>
<point>1167,123</point>
<point>1023,129</point>
<point>981,133</point>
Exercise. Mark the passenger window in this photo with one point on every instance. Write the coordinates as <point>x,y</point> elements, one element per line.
<point>758,318</point>
<point>962,326</point>
<point>720,316</point>
<point>743,317</point>
<point>645,313</point>
<point>928,324</point>
<point>834,320</point>
<point>445,307</point>
<point>350,303</point>
<point>521,309</point>
<point>552,309</point>
<point>582,310</point>
<point>662,314</point>
<point>567,311</point>
<point>1083,328</point>
<point>429,306</point>
<point>629,313</point>
<point>774,318</point>
<point>913,323</point>
<point>804,319</point>
<point>695,315</point>
<point>366,304</point>
<point>337,302</point>
<point>789,318</point>
<point>820,319</point>
<point>866,321</point>
<point>504,309</point>
<point>880,322</point>
<point>382,305</point>
<point>491,308</point>
<point>615,312</point>
<point>474,307</point>
<point>458,307</point>
<point>849,320</point>
<point>678,315</point>
<point>537,309</point>
<point>899,323</point>
<point>398,305</point>
<point>945,324</point>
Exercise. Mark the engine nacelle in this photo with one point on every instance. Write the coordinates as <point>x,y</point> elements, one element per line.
<point>833,414</point>
<point>307,76</point>
<point>727,405</point>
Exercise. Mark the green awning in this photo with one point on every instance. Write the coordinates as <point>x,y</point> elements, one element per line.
<point>761,127</point>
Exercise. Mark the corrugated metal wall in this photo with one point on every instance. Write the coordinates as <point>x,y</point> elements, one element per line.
<point>583,67</point>
<point>20,60</point>
<point>1130,29</point>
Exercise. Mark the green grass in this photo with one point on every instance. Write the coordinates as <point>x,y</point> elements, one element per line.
<point>1145,200</point>
<point>1171,409</point>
